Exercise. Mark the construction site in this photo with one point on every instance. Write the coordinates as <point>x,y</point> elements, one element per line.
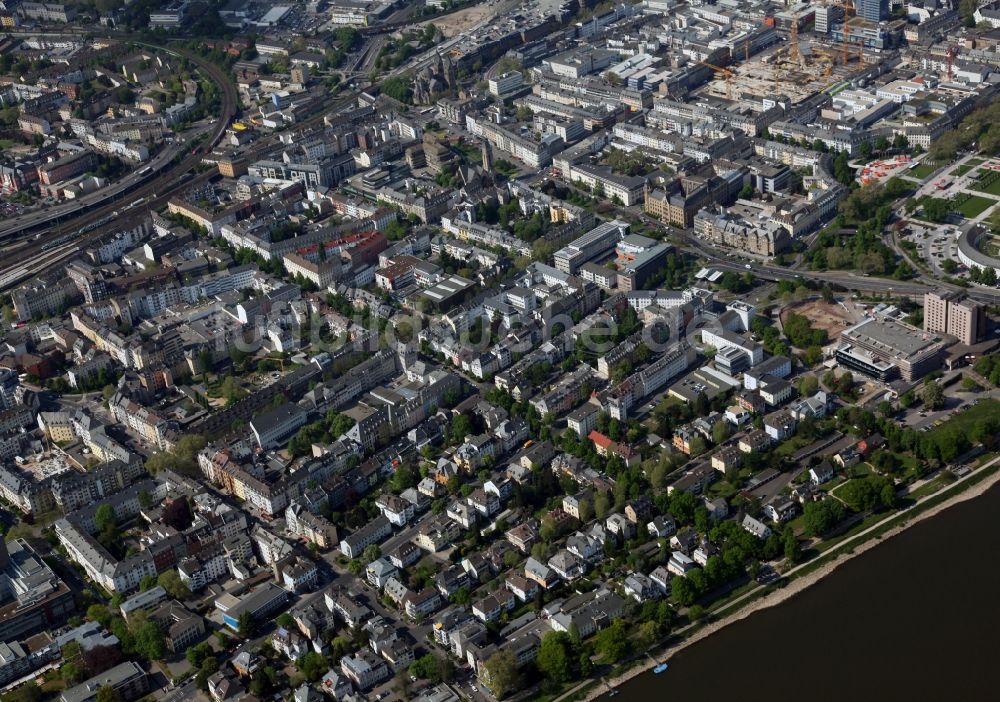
<point>806,64</point>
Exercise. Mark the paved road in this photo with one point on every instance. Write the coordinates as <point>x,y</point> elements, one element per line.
<point>187,692</point>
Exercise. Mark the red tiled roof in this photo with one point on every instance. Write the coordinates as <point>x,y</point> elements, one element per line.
<point>600,439</point>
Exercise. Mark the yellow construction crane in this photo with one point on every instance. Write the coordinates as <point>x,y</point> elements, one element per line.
<point>727,77</point>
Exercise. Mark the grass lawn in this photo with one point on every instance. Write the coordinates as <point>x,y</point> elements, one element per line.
<point>722,488</point>
<point>907,460</point>
<point>792,445</point>
<point>832,484</point>
<point>974,205</point>
<point>962,170</point>
<point>798,525</point>
<point>6,144</point>
<point>823,546</point>
<point>985,458</point>
<point>861,470</point>
<point>964,421</point>
<point>991,187</point>
<point>837,489</point>
<point>976,161</point>
<point>929,488</point>
<point>922,170</point>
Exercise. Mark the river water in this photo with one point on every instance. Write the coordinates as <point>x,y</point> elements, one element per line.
<point>915,618</point>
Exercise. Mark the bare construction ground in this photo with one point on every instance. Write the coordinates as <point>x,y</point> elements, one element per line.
<point>458,22</point>
<point>832,317</point>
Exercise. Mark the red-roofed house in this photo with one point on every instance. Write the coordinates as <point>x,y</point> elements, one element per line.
<point>601,442</point>
<point>606,447</point>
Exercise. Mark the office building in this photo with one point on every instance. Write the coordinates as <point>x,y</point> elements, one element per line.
<point>883,348</point>
<point>597,243</point>
<point>506,83</point>
<point>32,597</point>
<point>271,427</point>
<point>260,603</point>
<point>873,10</point>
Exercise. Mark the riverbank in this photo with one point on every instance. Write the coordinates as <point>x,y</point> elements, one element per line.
<point>807,574</point>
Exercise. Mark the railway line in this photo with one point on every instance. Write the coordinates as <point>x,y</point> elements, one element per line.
<point>73,232</point>
<point>155,182</point>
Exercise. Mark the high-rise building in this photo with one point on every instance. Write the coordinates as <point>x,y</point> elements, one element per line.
<point>873,10</point>
<point>966,321</point>
<point>950,313</point>
<point>936,311</point>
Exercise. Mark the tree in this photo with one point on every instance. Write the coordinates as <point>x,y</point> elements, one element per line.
<point>313,666</point>
<point>867,494</point>
<point>501,669</point>
<point>177,514</point>
<point>150,642</point>
<point>445,669</point>
<point>397,89</point>
<point>601,505</point>
<point>104,518</point>
<point>72,673</point>
<point>647,634</point>
<point>793,552</point>
<point>720,432</point>
<point>29,692</point>
<point>196,655</point>
<point>107,694</point>
<point>612,643</point>
<point>246,625</point>
<point>932,395</point>
<point>820,517</point>
<point>371,552</point>
<point>97,659</point>
<point>171,581</point>
<point>808,386</point>
<point>99,613</point>
<point>461,426</point>
<point>554,656</point>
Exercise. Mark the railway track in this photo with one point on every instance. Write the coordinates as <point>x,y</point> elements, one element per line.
<point>161,181</point>
<point>76,232</point>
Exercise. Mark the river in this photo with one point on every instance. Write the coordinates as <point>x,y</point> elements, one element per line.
<point>914,618</point>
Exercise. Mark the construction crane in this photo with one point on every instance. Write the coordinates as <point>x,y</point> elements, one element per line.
<point>848,6</point>
<point>794,54</point>
<point>952,53</point>
<point>827,60</point>
<point>727,77</point>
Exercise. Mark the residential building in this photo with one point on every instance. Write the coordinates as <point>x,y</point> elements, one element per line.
<point>371,533</point>
<point>128,679</point>
<point>181,627</point>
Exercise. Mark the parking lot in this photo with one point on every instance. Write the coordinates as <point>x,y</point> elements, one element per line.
<point>935,245</point>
